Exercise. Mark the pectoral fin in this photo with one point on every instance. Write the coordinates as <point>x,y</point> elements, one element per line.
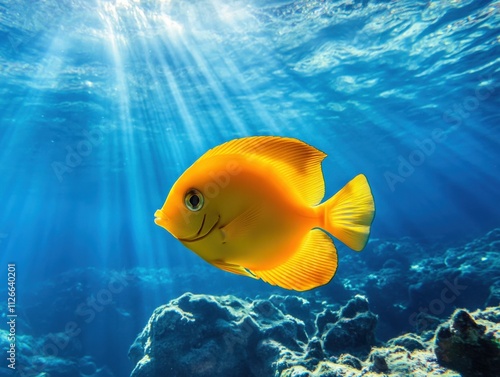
<point>313,264</point>
<point>241,225</point>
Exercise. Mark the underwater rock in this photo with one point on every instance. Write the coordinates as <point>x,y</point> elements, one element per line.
<point>494,297</point>
<point>198,335</point>
<point>324,318</point>
<point>359,304</point>
<point>297,307</point>
<point>353,331</point>
<point>314,349</point>
<point>471,347</point>
<point>424,322</point>
<point>350,360</point>
<point>415,287</point>
<point>410,342</point>
<point>385,254</point>
<point>379,365</point>
<point>256,338</point>
<point>202,336</point>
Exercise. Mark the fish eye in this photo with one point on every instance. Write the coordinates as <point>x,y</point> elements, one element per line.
<point>193,200</point>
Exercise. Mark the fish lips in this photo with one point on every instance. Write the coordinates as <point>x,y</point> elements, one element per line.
<point>161,219</point>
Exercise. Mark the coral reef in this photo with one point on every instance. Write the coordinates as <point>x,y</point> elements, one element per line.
<point>37,357</point>
<point>199,335</point>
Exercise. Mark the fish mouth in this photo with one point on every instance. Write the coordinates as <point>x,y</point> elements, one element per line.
<point>197,237</point>
<point>160,218</point>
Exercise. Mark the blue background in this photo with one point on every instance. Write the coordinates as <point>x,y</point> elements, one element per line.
<point>159,83</point>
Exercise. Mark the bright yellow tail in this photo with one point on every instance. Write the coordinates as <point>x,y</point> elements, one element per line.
<point>349,213</point>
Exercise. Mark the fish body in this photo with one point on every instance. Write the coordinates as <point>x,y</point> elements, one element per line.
<point>252,207</point>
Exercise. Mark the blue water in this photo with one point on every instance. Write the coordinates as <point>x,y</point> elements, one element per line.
<point>105,103</point>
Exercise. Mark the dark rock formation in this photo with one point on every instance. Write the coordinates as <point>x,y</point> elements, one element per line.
<point>414,287</point>
<point>494,297</point>
<point>410,342</point>
<point>469,347</point>
<point>256,338</point>
<point>351,361</point>
<point>378,362</point>
<point>198,335</point>
<point>353,331</point>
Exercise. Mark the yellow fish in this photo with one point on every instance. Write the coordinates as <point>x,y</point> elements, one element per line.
<point>251,206</point>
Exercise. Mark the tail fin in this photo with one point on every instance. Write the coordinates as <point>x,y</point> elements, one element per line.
<point>349,213</point>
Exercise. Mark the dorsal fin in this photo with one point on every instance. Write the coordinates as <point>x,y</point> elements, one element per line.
<point>296,162</point>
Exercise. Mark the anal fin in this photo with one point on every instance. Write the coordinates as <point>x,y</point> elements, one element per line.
<point>313,264</point>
